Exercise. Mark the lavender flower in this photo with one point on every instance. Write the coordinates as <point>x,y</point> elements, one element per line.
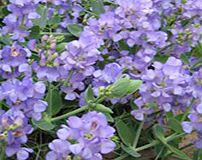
<point>47,68</point>
<point>165,86</point>
<point>78,61</point>
<point>24,95</point>
<point>20,18</point>
<point>14,129</point>
<point>14,62</point>
<point>86,138</point>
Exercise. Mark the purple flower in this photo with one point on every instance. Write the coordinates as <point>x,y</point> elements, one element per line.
<point>167,86</point>
<point>14,129</point>
<point>86,137</point>
<point>14,61</point>
<point>24,95</point>
<point>20,19</point>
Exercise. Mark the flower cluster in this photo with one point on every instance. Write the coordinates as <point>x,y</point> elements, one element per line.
<point>86,138</point>
<point>24,95</point>
<point>46,68</point>
<point>14,61</point>
<point>164,86</point>
<point>194,116</point>
<point>14,129</point>
<point>69,11</point>
<point>20,18</point>
<point>155,41</point>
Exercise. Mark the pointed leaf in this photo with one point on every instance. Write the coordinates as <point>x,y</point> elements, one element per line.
<point>102,108</point>
<point>54,101</point>
<point>134,85</point>
<point>124,133</point>
<point>74,29</point>
<point>197,64</point>
<point>97,7</point>
<point>178,152</point>
<point>2,153</point>
<point>130,150</point>
<point>197,155</point>
<point>89,94</point>
<point>159,133</point>
<point>125,86</point>
<point>175,125</point>
<point>42,21</point>
<point>43,124</point>
<point>109,117</point>
<point>61,47</point>
<point>35,32</point>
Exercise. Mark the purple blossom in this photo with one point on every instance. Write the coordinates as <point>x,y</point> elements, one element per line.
<point>20,19</point>
<point>47,68</point>
<point>87,137</point>
<point>14,129</point>
<point>166,86</point>
<point>14,61</point>
<point>24,95</point>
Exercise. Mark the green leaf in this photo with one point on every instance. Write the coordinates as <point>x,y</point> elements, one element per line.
<point>130,150</point>
<point>124,133</point>
<point>42,21</point>
<point>102,108</point>
<point>185,58</point>
<point>54,101</point>
<point>178,152</point>
<point>120,87</point>
<point>197,64</point>
<point>161,58</point>
<point>197,51</point>
<point>109,117</point>
<point>55,20</point>
<point>44,124</point>
<point>97,7</point>
<point>2,151</point>
<point>89,94</point>
<point>5,39</point>
<point>197,154</point>
<point>159,133</point>
<point>183,1</point>
<point>3,12</point>
<point>61,47</point>
<point>75,29</point>
<point>124,86</point>
<point>158,149</point>
<point>123,45</point>
<point>35,32</point>
<point>134,85</point>
<point>175,125</point>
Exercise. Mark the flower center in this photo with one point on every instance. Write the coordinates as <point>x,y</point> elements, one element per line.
<point>88,136</point>
<point>14,53</point>
<point>94,125</point>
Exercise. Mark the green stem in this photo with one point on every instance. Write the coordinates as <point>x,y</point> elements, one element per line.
<point>168,139</point>
<point>2,153</point>
<point>121,157</point>
<point>70,113</point>
<point>87,11</point>
<point>55,33</point>
<point>138,134</point>
<point>181,148</point>
<point>100,99</point>
<point>161,151</point>
<point>152,144</point>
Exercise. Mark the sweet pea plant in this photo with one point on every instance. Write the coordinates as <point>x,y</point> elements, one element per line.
<point>100,79</point>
